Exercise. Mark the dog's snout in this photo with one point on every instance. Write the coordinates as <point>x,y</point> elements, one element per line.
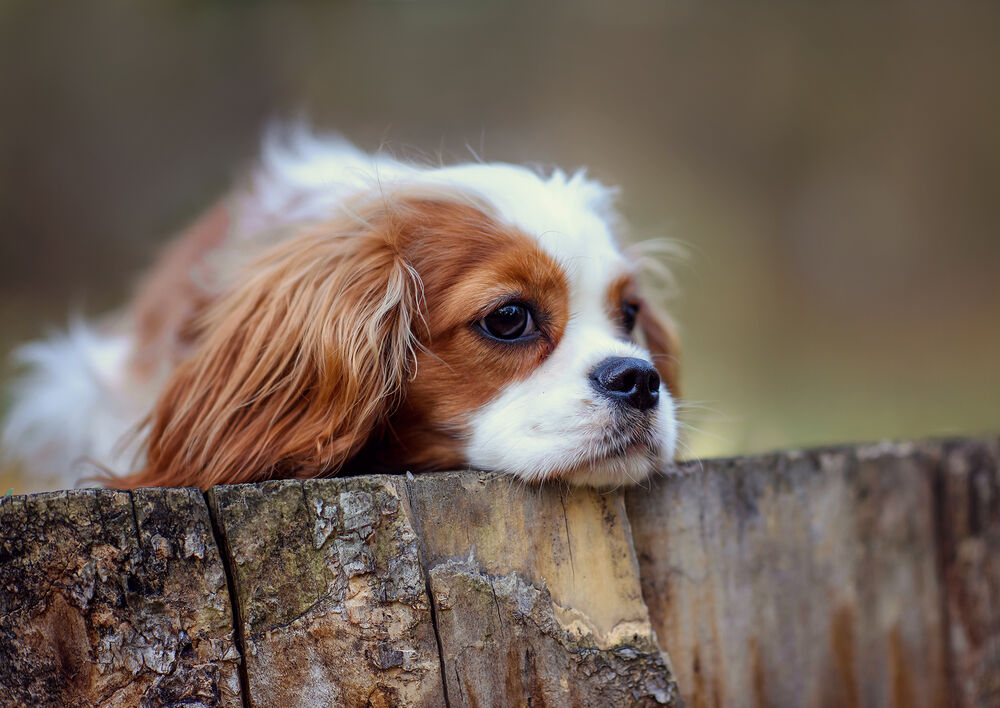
<point>631,381</point>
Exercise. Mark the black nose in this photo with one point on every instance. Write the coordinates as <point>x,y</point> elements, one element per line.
<point>631,381</point>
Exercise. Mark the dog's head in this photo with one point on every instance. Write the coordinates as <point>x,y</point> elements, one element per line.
<point>475,316</point>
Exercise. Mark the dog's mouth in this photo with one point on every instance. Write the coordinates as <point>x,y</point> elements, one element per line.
<point>616,458</point>
<point>632,448</point>
<point>626,439</point>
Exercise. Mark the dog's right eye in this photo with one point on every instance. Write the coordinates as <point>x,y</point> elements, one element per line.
<point>509,322</point>
<point>630,311</point>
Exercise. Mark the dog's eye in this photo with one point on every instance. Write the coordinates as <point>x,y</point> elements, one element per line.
<point>630,310</point>
<point>511,321</point>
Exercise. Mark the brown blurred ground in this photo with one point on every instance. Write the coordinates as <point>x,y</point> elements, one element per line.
<point>834,170</point>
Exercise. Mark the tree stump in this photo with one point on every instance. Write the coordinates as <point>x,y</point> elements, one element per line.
<point>863,576</point>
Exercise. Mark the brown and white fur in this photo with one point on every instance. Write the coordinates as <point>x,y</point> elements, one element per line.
<point>337,311</point>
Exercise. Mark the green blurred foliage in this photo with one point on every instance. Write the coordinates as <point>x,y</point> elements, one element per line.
<point>833,169</point>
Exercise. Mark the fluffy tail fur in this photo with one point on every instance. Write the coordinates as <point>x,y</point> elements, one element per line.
<point>71,409</point>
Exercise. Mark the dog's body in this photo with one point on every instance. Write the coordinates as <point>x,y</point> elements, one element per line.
<point>344,307</point>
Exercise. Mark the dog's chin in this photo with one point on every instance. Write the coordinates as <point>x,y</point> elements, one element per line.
<point>630,467</point>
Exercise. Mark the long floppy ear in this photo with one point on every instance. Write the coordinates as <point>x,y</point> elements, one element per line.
<point>295,367</point>
<point>661,339</point>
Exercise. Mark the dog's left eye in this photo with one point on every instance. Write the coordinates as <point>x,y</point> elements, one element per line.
<point>630,311</point>
<point>509,322</point>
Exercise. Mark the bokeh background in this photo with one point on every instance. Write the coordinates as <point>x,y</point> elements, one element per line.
<point>833,170</point>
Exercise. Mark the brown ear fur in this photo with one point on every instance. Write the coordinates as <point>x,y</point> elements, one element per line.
<point>661,339</point>
<point>294,367</point>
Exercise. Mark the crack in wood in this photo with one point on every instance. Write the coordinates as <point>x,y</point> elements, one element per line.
<point>425,571</point>
<point>225,556</point>
<point>569,541</point>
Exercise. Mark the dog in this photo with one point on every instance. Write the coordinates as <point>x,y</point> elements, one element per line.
<point>344,312</point>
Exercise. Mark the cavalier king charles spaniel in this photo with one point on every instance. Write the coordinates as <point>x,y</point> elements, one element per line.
<point>342,312</point>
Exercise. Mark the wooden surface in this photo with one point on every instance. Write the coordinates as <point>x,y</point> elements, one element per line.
<point>968,499</point>
<point>537,595</point>
<point>331,596</point>
<point>111,598</point>
<point>855,576</point>
<point>865,576</point>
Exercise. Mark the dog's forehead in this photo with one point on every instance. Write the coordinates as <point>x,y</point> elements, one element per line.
<point>569,217</point>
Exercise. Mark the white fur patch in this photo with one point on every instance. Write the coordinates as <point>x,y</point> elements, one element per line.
<point>72,406</point>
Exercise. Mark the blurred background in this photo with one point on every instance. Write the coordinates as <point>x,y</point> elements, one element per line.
<point>833,170</point>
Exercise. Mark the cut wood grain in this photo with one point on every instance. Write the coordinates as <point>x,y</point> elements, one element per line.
<point>537,595</point>
<point>968,497</point>
<point>805,579</point>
